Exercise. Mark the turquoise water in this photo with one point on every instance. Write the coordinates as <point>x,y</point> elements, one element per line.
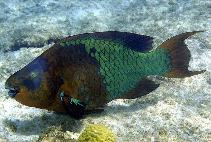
<point>179,110</point>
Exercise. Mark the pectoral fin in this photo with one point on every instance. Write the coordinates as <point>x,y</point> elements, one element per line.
<point>144,87</point>
<point>74,107</point>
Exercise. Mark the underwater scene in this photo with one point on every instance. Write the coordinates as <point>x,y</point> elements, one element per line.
<point>105,71</point>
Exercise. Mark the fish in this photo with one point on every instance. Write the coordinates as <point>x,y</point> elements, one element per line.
<point>80,74</point>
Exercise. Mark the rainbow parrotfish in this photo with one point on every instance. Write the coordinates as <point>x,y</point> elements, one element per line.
<point>81,73</point>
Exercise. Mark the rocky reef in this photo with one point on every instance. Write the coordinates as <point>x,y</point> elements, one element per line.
<point>179,110</point>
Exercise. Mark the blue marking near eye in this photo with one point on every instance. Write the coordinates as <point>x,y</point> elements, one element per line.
<point>36,72</point>
<point>32,84</point>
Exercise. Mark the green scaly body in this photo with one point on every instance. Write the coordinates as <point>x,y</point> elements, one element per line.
<point>121,67</point>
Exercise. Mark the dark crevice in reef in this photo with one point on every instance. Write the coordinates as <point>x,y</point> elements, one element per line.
<point>17,45</point>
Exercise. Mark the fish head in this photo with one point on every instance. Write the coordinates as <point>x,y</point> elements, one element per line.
<point>34,85</point>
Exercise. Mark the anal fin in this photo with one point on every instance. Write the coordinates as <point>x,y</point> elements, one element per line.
<point>144,87</point>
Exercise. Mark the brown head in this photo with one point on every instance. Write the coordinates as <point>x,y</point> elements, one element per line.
<point>35,85</point>
<point>59,70</point>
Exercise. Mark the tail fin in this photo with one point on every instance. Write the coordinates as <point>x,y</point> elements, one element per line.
<point>180,56</point>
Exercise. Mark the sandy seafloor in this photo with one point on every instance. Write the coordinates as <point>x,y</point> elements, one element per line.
<point>179,110</point>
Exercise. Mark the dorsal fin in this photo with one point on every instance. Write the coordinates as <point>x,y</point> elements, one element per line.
<point>136,42</point>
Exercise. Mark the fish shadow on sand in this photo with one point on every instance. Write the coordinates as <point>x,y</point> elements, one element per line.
<point>41,124</point>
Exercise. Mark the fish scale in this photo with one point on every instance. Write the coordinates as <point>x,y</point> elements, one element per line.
<point>121,67</point>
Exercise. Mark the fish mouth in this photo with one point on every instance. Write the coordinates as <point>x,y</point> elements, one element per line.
<point>12,91</point>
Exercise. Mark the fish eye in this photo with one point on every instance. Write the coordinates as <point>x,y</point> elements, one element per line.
<point>33,81</point>
<point>33,74</point>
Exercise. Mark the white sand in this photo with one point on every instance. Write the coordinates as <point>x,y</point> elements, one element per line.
<point>179,110</point>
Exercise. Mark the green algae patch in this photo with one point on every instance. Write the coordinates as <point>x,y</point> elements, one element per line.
<point>97,133</point>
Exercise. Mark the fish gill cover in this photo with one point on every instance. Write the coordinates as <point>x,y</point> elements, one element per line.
<point>179,110</point>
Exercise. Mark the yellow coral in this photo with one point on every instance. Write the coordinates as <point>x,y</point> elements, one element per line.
<point>97,133</point>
